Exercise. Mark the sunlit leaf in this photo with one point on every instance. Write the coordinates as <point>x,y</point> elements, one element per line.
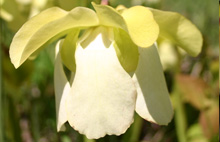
<point>195,134</point>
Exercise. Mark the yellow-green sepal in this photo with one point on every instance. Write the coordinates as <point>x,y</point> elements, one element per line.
<point>53,39</point>
<point>109,17</point>
<point>126,50</point>
<point>22,37</point>
<point>68,49</point>
<point>78,17</point>
<point>142,27</point>
<point>137,21</point>
<point>179,30</point>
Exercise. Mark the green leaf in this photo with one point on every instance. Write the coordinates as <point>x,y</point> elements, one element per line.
<point>141,25</point>
<point>195,134</point>
<point>180,30</point>
<point>78,17</point>
<point>127,52</point>
<point>68,49</point>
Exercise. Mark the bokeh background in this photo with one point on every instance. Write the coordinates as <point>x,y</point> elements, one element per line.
<point>27,102</point>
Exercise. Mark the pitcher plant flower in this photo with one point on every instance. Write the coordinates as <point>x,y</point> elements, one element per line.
<point>112,55</point>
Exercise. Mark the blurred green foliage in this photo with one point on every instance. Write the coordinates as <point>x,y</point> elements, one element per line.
<point>27,95</point>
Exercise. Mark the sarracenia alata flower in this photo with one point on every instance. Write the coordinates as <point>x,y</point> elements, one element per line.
<point>113,58</point>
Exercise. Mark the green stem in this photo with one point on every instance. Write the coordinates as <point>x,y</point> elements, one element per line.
<point>136,129</point>
<point>180,114</point>
<point>133,133</point>
<point>1,95</point>
<point>88,140</point>
<point>179,59</point>
<point>180,117</point>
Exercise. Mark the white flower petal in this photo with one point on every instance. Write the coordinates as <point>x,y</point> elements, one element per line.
<point>153,103</point>
<point>102,98</point>
<point>62,88</point>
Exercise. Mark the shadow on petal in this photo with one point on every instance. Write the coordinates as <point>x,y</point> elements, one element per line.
<point>153,103</point>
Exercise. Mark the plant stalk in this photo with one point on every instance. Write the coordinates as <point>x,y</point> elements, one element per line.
<point>88,140</point>
<point>1,94</point>
<point>136,129</point>
<point>180,117</point>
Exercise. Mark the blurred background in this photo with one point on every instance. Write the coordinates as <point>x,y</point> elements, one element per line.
<point>27,102</point>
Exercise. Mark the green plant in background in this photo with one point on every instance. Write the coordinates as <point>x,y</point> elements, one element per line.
<point>85,43</point>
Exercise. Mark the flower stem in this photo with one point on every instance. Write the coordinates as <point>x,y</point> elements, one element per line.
<point>133,133</point>
<point>180,117</point>
<point>136,129</point>
<point>180,114</point>
<point>88,140</point>
<point>1,94</point>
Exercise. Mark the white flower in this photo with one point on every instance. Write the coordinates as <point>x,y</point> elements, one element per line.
<point>115,64</point>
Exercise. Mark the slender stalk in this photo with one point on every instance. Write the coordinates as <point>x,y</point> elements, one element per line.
<point>1,89</point>
<point>88,140</point>
<point>1,95</point>
<point>133,133</point>
<point>180,114</point>
<point>180,117</point>
<point>136,129</point>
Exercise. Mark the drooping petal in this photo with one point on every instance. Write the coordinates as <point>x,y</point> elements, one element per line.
<point>92,33</point>
<point>62,88</point>
<point>28,29</point>
<point>127,52</point>
<point>108,16</point>
<point>179,30</point>
<point>137,21</point>
<point>68,49</point>
<point>102,97</point>
<point>153,103</point>
<point>141,25</point>
<point>22,47</point>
